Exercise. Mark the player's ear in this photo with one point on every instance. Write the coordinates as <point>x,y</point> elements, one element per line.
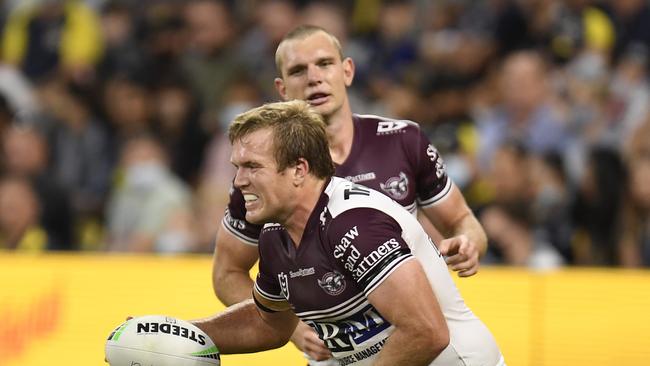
<point>279,86</point>
<point>348,71</point>
<point>300,172</point>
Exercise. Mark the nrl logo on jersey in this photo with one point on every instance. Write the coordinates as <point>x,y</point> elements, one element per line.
<point>283,279</point>
<point>333,283</point>
<point>390,127</point>
<point>396,187</point>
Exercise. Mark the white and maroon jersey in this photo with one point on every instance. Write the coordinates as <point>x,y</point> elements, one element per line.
<point>391,156</point>
<point>354,239</point>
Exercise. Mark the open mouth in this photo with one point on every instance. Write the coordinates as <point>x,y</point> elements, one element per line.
<point>250,199</point>
<point>317,98</point>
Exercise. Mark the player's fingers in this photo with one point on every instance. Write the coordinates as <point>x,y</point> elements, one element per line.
<point>317,351</point>
<point>468,272</point>
<point>466,268</point>
<point>455,259</point>
<point>443,246</point>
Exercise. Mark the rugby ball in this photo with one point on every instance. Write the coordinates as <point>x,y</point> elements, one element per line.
<point>157,340</point>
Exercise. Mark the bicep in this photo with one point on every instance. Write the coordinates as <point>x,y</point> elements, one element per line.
<point>406,299</point>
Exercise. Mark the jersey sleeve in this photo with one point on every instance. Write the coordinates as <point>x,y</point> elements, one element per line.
<point>432,181</point>
<point>266,284</point>
<point>367,245</point>
<point>234,219</point>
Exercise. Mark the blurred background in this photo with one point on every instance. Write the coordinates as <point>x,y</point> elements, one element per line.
<point>113,114</point>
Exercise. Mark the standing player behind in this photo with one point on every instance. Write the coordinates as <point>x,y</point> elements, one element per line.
<point>345,259</point>
<point>391,156</point>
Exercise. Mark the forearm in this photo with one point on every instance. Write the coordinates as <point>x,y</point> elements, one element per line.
<point>409,350</point>
<point>242,329</point>
<point>473,229</point>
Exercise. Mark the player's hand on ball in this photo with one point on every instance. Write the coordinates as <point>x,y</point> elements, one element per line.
<point>306,339</point>
<point>462,255</point>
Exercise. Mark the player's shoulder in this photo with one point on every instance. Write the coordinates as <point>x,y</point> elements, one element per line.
<point>384,126</point>
<point>345,196</point>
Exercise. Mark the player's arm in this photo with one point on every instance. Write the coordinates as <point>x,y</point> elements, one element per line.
<point>232,262</point>
<point>466,240</point>
<point>406,300</point>
<point>444,205</point>
<point>250,326</point>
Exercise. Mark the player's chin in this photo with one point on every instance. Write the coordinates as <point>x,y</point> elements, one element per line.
<point>323,108</point>
<point>254,217</point>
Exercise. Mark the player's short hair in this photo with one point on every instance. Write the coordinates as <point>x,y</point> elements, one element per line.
<point>302,32</point>
<point>298,132</point>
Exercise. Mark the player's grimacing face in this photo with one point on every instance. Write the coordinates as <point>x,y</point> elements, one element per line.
<point>312,70</point>
<point>265,190</point>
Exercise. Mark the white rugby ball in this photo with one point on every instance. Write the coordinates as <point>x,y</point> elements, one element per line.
<point>157,340</point>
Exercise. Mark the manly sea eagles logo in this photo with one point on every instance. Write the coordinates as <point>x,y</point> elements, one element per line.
<point>332,282</point>
<point>283,279</point>
<point>396,187</point>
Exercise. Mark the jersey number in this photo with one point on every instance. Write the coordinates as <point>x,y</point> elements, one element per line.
<point>356,189</point>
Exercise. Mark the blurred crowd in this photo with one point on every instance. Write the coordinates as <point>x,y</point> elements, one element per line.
<point>112,115</point>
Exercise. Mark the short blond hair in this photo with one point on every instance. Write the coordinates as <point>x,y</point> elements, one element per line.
<point>298,132</point>
<point>302,32</point>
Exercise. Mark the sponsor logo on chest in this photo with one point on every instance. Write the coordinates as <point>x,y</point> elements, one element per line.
<point>302,272</point>
<point>361,177</point>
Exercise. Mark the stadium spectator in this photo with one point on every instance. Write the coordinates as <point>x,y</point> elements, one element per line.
<point>27,154</point>
<point>631,19</point>
<point>210,60</point>
<point>634,243</point>
<point>258,43</point>
<point>122,54</point>
<point>596,212</point>
<point>150,210</point>
<point>53,36</point>
<point>17,94</point>
<point>19,217</point>
<point>177,124</point>
<point>515,229</point>
<point>80,145</point>
<point>527,112</point>
<point>127,107</point>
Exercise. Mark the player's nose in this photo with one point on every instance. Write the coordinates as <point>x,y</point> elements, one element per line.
<point>241,178</point>
<point>314,74</point>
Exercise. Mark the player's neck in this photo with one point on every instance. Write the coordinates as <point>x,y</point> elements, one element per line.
<point>340,133</point>
<point>305,203</point>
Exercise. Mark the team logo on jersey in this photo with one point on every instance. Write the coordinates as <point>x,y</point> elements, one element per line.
<point>283,279</point>
<point>396,187</point>
<point>389,127</point>
<point>332,282</point>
